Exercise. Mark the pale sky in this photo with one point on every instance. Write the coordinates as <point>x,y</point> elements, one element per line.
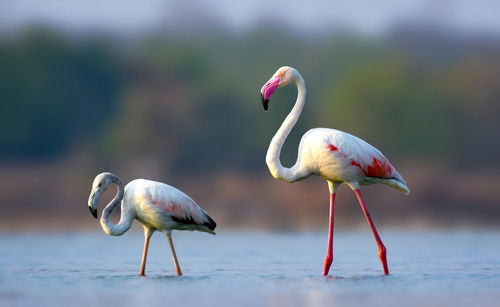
<point>123,17</point>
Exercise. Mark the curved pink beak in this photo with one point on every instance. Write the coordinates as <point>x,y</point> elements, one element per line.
<point>268,89</point>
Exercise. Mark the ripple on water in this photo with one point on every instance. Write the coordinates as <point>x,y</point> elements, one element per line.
<point>235,269</point>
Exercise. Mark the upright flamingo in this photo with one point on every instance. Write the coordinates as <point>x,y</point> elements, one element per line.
<point>336,156</point>
<point>157,206</point>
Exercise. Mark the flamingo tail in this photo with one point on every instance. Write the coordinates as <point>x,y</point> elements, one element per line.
<point>398,184</point>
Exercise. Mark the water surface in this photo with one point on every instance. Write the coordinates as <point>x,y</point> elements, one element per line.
<point>251,269</point>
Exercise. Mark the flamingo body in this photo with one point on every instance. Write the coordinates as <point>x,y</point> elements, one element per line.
<point>336,156</point>
<point>156,205</point>
<point>162,207</point>
<point>342,157</point>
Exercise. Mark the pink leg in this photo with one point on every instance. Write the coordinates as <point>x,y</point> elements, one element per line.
<point>176,263</point>
<point>381,247</point>
<point>147,234</point>
<point>329,255</point>
<point>144,256</point>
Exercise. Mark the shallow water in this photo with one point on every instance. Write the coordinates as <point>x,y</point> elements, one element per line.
<point>251,269</point>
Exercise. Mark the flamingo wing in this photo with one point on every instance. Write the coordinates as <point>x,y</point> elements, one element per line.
<point>357,155</point>
<point>370,161</point>
<point>172,204</point>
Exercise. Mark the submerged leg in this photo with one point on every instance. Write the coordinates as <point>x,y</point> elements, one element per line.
<point>177,267</point>
<point>381,247</point>
<point>147,234</point>
<point>329,254</point>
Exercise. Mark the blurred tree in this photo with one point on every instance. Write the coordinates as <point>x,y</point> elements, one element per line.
<point>53,92</point>
<point>415,94</point>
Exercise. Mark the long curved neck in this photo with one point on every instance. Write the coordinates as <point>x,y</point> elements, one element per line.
<point>126,217</point>
<point>273,152</point>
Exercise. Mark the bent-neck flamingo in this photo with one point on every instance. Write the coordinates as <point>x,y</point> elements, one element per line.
<point>336,156</point>
<point>157,206</point>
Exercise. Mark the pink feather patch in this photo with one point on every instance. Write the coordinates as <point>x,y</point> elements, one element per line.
<point>332,147</point>
<point>378,168</point>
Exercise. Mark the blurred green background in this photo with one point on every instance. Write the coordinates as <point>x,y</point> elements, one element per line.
<point>170,91</point>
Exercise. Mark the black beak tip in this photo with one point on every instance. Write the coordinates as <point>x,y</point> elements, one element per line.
<point>94,212</point>
<point>265,102</point>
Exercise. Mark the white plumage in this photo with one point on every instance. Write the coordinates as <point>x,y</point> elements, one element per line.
<point>336,156</point>
<point>156,205</point>
<point>342,157</point>
<point>161,206</point>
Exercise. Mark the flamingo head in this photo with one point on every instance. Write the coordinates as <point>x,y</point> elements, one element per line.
<point>282,77</point>
<point>100,184</point>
